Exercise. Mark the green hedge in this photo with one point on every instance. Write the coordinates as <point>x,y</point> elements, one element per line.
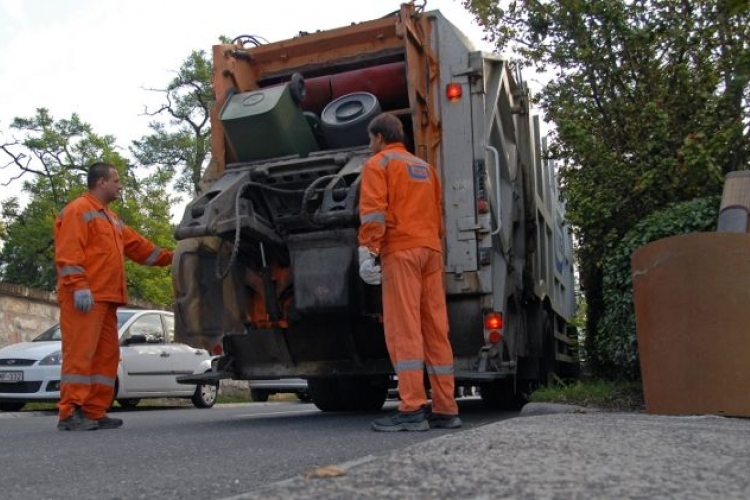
<point>616,338</point>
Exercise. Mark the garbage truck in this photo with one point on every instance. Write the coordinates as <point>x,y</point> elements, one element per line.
<point>266,270</point>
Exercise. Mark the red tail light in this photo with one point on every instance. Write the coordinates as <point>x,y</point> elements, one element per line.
<point>493,321</point>
<point>453,91</point>
<point>217,350</point>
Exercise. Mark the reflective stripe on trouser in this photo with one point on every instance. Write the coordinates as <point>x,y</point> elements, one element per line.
<point>90,354</point>
<point>416,328</point>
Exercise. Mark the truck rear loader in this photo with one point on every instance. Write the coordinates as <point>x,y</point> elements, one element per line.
<point>266,270</point>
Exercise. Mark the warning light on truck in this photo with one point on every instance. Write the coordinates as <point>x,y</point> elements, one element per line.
<point>453,91</point>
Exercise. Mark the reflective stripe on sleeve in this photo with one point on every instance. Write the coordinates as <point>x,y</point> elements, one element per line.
<point>402,366</point>
<point>373,217</point>
<point>152,258</point>
<point>68,270</point>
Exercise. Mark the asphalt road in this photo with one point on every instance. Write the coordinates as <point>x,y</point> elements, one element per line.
<point>575,454</point>
<point>186,453</point>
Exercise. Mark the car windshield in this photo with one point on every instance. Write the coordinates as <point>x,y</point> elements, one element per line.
<point>53,333</point>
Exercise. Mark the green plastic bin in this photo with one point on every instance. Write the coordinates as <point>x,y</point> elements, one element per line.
<point>266,123</point>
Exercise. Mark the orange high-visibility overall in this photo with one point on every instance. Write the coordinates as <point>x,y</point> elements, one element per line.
<point>91,243</point>
<point>401,220</point>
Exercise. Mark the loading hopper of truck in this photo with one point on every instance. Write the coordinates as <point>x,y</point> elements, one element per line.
<point>266,267</point>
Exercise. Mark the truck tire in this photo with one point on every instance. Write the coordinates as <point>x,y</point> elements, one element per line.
<point>348,394</point>
<point>502,395</point>
<point>304,397</point>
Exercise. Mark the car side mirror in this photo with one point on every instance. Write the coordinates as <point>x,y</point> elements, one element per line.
<point>136,338</point>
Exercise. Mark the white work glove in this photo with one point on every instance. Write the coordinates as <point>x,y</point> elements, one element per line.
<point>369,271</point>
<point>83,300</point>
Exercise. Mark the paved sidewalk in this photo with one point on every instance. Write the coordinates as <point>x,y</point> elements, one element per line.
<point>550,451</point>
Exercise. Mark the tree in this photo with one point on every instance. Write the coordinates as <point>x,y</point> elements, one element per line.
<point>649,99</point>
<point>181,145</point>
<point>51,162</point>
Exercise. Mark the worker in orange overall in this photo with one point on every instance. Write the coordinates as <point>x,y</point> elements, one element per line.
<point>401,226</point>
<point>91,243</point>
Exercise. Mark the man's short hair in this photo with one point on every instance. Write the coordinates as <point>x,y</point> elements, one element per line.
<point>98,170</point>
<point>388,126</point>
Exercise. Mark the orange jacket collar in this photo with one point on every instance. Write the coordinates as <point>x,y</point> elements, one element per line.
<point>97,203</point>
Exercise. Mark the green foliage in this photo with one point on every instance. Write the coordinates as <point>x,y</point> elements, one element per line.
<point>649,100</point>
<point>616,334</point>
<point>180,143</point>
<point>53,157</point>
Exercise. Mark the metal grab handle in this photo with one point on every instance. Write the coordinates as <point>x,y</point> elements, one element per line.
<point>495,153</point>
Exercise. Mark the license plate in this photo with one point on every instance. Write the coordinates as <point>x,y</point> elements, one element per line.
<point>11,376</point>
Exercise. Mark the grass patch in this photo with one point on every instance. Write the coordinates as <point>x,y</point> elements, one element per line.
<point>231,399</point>
<point>605,394</point>
<point>40,407</point>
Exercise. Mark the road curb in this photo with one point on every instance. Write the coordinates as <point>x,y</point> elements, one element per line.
<point>534,409</point>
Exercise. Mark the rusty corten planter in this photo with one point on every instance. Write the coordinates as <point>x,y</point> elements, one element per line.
<point>692,305</point>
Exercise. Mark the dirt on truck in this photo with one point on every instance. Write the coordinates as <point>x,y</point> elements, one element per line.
<point>266,271</point>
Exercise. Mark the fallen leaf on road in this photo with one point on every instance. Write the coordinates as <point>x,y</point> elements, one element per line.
<point>330,471</point>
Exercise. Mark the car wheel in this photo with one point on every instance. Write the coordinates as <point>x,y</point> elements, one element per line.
<point>205,395</point>
<point>129,403</point>
<point>11,406</point>
<point>259,395</point>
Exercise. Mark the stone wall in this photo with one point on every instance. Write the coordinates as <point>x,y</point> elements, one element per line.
<point>26,312</point>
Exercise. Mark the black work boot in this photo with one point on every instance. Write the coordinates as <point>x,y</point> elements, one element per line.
<point>443,421</point>
<point>77,421</point>
<point>107,422</point>
<point>402,421</point>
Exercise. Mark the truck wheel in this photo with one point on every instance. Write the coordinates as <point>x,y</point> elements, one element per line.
<point>364,393</point>
<point>259,395</point>
<point>11,406</point>
<point>500,395</point>
<point>205,395</point>
<point>304,397</point>
<point>325,394</point>
<point>348,394</point>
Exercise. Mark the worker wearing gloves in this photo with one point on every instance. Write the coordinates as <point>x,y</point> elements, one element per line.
<point>91,243</point>
<point>400,240</point>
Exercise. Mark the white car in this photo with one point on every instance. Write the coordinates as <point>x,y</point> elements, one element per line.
<point>150,361</point>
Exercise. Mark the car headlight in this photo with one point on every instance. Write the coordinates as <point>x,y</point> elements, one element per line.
<point>52,359</point>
